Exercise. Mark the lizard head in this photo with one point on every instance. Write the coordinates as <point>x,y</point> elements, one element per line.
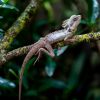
<point>74,21</point>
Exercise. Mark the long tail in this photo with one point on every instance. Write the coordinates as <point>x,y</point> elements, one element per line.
<point>28,56</point>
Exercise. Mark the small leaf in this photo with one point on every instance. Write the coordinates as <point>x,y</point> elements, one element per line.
<point>4,83</point>
<point>11,71</point>
<point>50,67</point>
<point>93,11</point>
<point>4,1</point>
<point>1,17</point>
<point>9,7</point>
<point>51,83</point>
<point>60,51</point>
<point>1,30</point>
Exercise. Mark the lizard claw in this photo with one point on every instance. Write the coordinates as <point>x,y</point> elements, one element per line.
<point>39,55</point>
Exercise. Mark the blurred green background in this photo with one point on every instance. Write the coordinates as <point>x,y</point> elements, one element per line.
<point>74,74</point>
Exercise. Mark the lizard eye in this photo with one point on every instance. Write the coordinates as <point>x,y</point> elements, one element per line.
<point>75,19</point>
<point>69,30</point>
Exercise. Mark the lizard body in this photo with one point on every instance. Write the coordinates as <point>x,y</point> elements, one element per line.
<point>44,44</point>
<point>69,25</point>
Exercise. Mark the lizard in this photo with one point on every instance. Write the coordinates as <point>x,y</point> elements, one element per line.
<point>44,44</point>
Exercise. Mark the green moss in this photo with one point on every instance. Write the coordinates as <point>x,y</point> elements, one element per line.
<point>84,37</point>
<point>60,44</point>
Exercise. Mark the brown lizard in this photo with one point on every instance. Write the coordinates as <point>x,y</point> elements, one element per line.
<point>44,44</point>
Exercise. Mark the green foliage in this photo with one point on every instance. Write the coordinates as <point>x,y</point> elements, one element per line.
<point>8,7</point>
<point>51,83</point>
<point>60,51</point>
<point>4,1</point>
<point>4,4</point>
<point>50,67</point>
<point>93,10</point>
<point>6,84</point>
<point>73,74</point>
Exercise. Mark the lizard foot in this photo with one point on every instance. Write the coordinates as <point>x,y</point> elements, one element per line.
<point>39,53</point>
<point>69,41</point>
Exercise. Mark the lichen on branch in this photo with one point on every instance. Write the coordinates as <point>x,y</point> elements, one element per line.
<point>87,37</point>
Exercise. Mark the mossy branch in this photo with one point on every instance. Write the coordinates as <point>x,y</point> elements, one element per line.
<point>19,24</point>
<point>74,40</point>
<point>14,53</point>
<point>83,38</point>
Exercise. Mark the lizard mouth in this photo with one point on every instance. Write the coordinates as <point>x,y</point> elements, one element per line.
<point>79,16</point>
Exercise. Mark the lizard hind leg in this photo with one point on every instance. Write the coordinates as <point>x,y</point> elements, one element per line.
<point>48,51</point>
<point>39,53</point>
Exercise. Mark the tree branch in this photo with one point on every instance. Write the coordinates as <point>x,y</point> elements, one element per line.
<point>19,24</point>
<point>93,36</point>
<point>74,40</point>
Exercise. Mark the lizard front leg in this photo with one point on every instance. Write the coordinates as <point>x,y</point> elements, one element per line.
<point>69,40</point>
<point>47,49</point>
